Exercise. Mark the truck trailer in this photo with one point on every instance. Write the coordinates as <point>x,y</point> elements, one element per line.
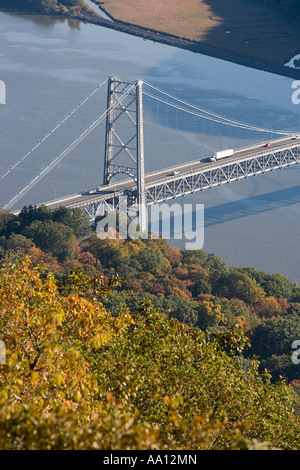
<point>221,154</point>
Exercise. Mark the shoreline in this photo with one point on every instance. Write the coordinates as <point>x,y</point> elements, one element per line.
<point>196,47</point>
<point>92,17</point>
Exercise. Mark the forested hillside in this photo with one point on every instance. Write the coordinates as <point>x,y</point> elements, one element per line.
<point>78,377</point>
<point>133,344</point>
<point>195,287</point>
<point>46,6</point>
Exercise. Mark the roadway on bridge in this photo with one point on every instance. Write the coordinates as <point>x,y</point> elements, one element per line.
<point>174,173</point>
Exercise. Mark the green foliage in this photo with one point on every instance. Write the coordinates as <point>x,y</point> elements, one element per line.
<point>74,218</point>
<point>272,341</point>
<point>69,7</point>
<point>50,237</point>
<point>49,6</point>
<point>275,285</point>
<point>16,244</point>
<point>163,371</point>
<point>77,377</point>
<point>9,223</point>
<point>151,259</point>
<point>52,232</point>
<point>235,284</point>
<point>194,287</point>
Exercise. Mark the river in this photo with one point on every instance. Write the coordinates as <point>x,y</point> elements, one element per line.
<point>50,65</point>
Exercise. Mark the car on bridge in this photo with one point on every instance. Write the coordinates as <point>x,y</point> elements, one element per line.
<point>269,144</point>
<point>90,191</point>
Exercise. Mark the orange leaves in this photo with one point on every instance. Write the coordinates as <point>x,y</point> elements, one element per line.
<point>270,307</point>
<point>77,377</point>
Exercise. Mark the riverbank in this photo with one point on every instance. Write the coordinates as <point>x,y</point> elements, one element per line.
<point>195,46</point>
<point>238,27</point>
<point>215,48</point>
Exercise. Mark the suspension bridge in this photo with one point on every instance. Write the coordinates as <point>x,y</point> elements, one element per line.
<point>124,154</point>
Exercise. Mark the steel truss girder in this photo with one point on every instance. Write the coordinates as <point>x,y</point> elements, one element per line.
<point>218,175</point>
<point>110,202</point>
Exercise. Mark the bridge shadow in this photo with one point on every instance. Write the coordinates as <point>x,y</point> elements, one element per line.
<point>251,206</point>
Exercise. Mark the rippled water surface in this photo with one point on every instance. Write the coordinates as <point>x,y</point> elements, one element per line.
<point>50,66</point>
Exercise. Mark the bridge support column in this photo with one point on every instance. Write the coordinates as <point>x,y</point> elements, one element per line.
<point>109,138</point>
<point>124,140</point>
<point>140,158</point>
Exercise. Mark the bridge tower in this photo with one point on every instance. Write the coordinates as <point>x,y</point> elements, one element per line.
<point>124,138</point>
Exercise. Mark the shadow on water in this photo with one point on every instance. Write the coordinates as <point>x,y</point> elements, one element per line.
<point>252,206</point>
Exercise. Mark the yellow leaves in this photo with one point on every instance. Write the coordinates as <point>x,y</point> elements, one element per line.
<point>46,336</point>
<point>66,354</point>
<point>4,394</point>
<point>123,321</point>
<point>212,309</point>
<point>59,317</point>
<point>173,401</point>
<point>34,377</point>
<point>100,340</point>
<point>58,379</point>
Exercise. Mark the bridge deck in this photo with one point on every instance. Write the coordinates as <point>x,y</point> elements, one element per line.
<point>193,176</point>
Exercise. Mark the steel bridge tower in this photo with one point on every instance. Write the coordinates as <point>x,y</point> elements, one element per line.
<point>125,155</point>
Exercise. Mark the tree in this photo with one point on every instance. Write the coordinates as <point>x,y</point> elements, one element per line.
<point>51,237</point>
<point>49,6</point>
<point>236,311</point>
<point>17,244</point>
<point>275,285</point>
<point>209,314</point>
<point>178,307</point>
<point>151,258</point>
<point>164,372</point>
<point>272,342</point>
<point>239,285</point>
<point>75,218</point>
<point>270,307</point>
<point>9,224</point>
<point>30,214</point>
<point>77,377</point>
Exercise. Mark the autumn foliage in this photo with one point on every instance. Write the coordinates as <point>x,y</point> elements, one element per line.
<point>135,344</point>
<point>78,377</point>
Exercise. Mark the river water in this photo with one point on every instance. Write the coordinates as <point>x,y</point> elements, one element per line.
<point>49,66</point>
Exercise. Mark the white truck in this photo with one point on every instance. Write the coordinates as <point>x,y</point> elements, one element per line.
<point>221,154</point>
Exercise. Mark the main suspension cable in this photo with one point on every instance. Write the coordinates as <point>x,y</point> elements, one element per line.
<point>51,132</point>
